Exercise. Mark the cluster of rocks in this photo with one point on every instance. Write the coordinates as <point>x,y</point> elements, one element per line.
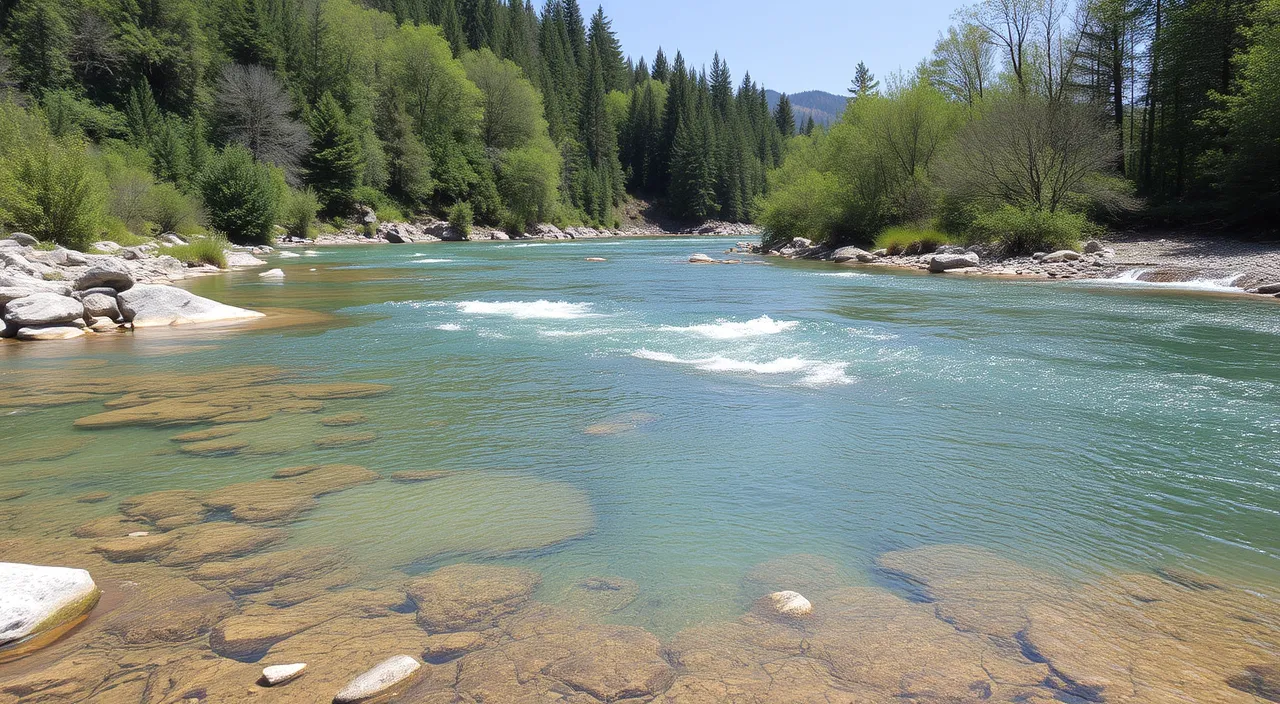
<point>61,293</point>
<point>443,231</point>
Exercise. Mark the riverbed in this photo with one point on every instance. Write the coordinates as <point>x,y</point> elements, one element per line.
<point>1003,470</point>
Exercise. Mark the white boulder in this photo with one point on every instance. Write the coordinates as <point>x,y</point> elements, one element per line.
<point>43,308</point>
<point>379,680</point>
<point>112,273</point>
<point>36,599</point>
<point>1062,255</point>
<point>50,332</point>
<point>289,255</point>
<point>279,674</point>
<point>945,262</point>
<point>700,259</point>
<point>272,274</point>
<point>152,305</point>
<point>242,260</point>
<point>100,305</point>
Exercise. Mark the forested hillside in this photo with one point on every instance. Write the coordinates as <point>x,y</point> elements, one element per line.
<point>1035,121</point>
<point>825,108</point>
<point>126,116</point>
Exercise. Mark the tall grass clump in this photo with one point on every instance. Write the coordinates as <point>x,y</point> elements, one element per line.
<point>201,250</point>
<point>910,240</point>
<point>1026,230</point>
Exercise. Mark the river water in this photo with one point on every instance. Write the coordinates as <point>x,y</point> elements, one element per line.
<point>676,425</point>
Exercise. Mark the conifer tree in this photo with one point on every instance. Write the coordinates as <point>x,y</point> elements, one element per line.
<point>603,42</point>
<point>575,32</point>
<point>334,163</point>
<point>408,164</point>
<point>641,73</point>
<point>864,82</point>
<point>661,71</point>
<point>40,38</point>
<point>244,34</point>
<point>783,117</point>
<point>809,126</point>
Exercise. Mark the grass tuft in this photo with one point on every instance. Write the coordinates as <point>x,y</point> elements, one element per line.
<point>202,250</point>
<point>910,240</point>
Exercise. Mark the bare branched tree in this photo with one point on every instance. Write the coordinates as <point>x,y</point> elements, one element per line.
<point>1030,152</point>
<point>962,63</point>
<point>93,51</point>
<point>1011,24</point>
<point>253,110</point>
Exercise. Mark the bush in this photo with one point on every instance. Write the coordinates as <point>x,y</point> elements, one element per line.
<point>461,217</point>
<point>172,210</point>
<point>201,250</point>
<point>1024,231</point>
<point>55,194</point>
<point>241,195</point>
<point>908,240</point>
<point>300,210</point>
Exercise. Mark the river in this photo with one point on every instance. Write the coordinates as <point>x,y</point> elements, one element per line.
<point>675,426</point>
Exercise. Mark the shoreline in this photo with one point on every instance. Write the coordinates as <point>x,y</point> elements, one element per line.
<point>1183,263</point>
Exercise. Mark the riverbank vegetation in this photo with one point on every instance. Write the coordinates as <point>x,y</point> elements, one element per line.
<point>1034,122</point>
<point>246,115</point>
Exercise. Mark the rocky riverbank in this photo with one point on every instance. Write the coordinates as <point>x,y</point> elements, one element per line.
<point>443,231</point>
<point>1217,263</point>
<point>58,294</point>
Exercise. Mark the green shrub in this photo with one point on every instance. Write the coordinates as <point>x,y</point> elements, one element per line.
<point>116,231</point>
<point>300,210</point>
<point>55,194</point>
<point>241,196</point>
<point>461,217</point>
<point>128,194</point>
<point>1024,231</point>
<point>910,240</point>
<point>201,250</point>
<point>172,210</point>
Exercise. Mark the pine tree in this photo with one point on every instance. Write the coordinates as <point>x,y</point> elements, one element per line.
<point>575,32</point>
<point>603,42</point>
<point>40,39</point>
<point>243,32</point>
<point>692,190</point>
<point>809,126</point>
<point>661,71</point>
<point>641,73</point>
<point>408,164</point>
<point>864,82</point>
<point>334,164</point>
<point>604,185</point>
<point>141,114</point>
<point>783,117</point>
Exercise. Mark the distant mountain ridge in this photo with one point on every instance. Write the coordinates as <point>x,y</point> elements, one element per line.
<point>825,107</point>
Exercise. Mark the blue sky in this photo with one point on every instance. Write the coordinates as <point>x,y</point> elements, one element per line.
<point>789,46</point>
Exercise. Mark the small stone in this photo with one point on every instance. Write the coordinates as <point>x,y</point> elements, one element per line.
<point>788,603</point>
<point>700,258</point>
<point>273,675</point>
<point>139,534</point>
<point>379,680</point>
<point>596,259</point>
<point>272,274</point>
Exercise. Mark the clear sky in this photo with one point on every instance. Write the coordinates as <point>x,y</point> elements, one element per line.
<point>788,46</point>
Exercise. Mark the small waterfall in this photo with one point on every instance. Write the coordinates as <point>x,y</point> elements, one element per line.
<point>1135,276</point>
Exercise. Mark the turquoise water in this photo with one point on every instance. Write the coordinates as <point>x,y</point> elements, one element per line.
<point>676,424</point>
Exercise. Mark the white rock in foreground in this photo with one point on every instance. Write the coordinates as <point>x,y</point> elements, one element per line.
<point>272,274</point>
<point>35,599</point>
<point>153,305</point>
<point>49,332</point>
<point>700,258</point>
<point>946,262</point>
<point>788,604</point>
<point>378,680</point>
<point>279,674</point>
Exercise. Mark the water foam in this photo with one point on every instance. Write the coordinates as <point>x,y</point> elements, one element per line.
<point>449,327</point>
<point>815,373</point>
<point>524,310</point>
<point>430,261</point>
<point>1134,277</point>
<point>845,274</point>
<point>728,330</point>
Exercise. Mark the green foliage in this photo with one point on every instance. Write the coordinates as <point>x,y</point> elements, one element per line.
<point>461,217</point>
<point>1026,230</point>
<point>299,213</point>
<point>335,162</point>
<point>910,240</point>
<point>528,180</point>
<point>241,196</point>
<point>201,250</point>
<point>39,39</point>
<point>171,210</point>
<point>51,190</point>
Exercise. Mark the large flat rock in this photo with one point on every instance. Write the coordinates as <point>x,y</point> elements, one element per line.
<point>35,600</point>
<point>155,305</point>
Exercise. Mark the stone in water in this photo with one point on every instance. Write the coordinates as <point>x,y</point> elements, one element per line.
<point>279,674</point>
<point>379,680</point>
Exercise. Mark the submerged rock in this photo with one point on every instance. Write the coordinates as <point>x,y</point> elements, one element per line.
<point>787,603</point>
<point>700,259</point>
<point>273,675</point>
<point>38,603</point>
<point>379,680</point>
<point>461,597</point>
<point>272,274</point>
<point>152,305</point>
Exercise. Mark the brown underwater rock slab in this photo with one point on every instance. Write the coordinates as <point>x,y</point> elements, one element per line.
<point>46,451</point>
<point>211,541</point>
<point>345,440</point>
<point>287,497</point>
<point>344,419</point>
<point>802,572</point>
<point>464,596</point>
<point>219,447</point>
<point>160,606</point>
<point>264,571</point>
<point>597,596</point>
<point>202,435</point>
<point>172,508</point>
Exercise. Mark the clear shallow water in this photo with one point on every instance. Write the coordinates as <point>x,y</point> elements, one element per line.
<point>676,424</point>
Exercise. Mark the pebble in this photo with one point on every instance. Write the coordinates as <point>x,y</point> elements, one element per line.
<point>139,534</point>
<point>279,674</point>
<point>788,603</point>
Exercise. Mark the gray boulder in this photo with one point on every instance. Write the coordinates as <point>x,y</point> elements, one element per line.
<point>881,252</point>
<point>380,680</point>
<point>242,260</point>
<point>171,238</point>
<point>945,262</point>
<point>106,247</point>
<point>152,305</point>
<point>949,249</point>
<point>396,233</point>
<point>39,599</point>
<point>100,305</point>
<point>140,252</point>
<point>845,254</point>
<point>24,239</point>
<point>15,262</point>
<point>1062,255</point>
<point>1269,288</point>
<point>43,308</point>
<point>13,293</point>
<point>111,273</point>
<point>1093,247</point>
<point>15,280</point>
<point>50,332</point>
